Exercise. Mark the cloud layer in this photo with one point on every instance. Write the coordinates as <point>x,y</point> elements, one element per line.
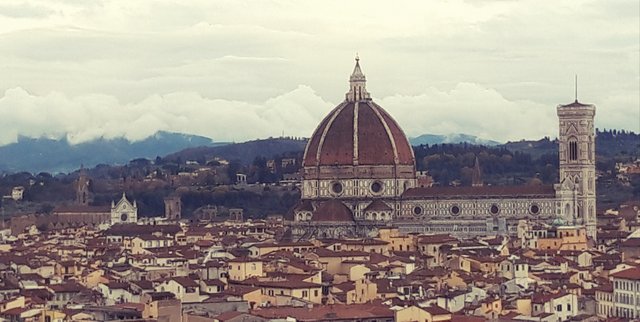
<point>235,70</point>
<point>464,109</point>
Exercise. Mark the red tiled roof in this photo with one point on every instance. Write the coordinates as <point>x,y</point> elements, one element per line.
<point>333,210</point>
<point>328,312</point>
<point>82,209</point>
<point>69,287</point>
<point>214,282</point>
<point>436,310</point>
<point>378,205</point>
<point>436,239</point>
<point>240,290</point>
<point>137,230</point>
<point>482,191</point>
<point>285,244</point>
<point>575,104</point>
<point>364,241</point>
<point>323,252</point>
<point>628,274</point>
<point>228,315</point>
<point>379,139</point>
<point>244,260</point>
<point>185,281</point>
<point>286,284</point>
<point>631,242</point>
<point>541,298</point>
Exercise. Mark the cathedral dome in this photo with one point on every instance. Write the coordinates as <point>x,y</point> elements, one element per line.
<point>358,132</point>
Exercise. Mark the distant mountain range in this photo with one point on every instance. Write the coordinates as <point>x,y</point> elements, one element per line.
<point>245,152</point>
<point>432,139</point>
<point>54,156</point>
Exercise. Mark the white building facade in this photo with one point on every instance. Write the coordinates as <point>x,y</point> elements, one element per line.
<point>124,211</point>
<point>360,156</point>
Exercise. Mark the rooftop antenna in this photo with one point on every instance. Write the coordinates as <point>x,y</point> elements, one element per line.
<point>576,82</point>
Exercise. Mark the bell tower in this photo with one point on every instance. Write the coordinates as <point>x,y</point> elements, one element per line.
<point>578,164</point>
<point>83,193</point>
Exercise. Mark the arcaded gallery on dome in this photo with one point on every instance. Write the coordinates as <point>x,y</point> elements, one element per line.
<point>359,174</point>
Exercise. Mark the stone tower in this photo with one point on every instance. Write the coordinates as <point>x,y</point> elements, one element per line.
<point>578,165</point>
<point>83,194</point>
<point>173,207</point>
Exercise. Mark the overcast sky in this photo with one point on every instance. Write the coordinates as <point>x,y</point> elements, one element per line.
<point>237,70</point>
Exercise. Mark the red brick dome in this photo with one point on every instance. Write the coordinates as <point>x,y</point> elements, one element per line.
<point>358,132</point>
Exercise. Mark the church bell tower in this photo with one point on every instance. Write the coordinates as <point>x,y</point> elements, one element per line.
<point>578,164</point>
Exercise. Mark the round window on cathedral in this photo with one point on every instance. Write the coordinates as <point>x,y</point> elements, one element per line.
<point>534,209</point>
<point>455,209</point>
<point>376,187</point>
<point>494,209</point>
<point>124,217</point>
<point>417,210</point>
<point>336,187</point>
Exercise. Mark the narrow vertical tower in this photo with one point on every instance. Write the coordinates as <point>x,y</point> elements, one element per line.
<point>83,194</point>
<point>578,164</point>
<point>476,175</point>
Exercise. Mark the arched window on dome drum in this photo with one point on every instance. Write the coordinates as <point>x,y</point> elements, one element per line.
<point>573,149</point>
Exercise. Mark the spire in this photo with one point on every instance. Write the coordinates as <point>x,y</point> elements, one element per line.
<point>476,176</point>
<point>576,88</point>
<point>357,84</point>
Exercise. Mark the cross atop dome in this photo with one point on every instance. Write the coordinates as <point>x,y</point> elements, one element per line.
<point>357,84</point>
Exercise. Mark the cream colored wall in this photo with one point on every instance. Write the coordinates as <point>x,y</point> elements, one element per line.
<point>255,297</point>
<point>314,295</point>
<point>380,249</point>
<point>524,306</point>
<point>54,316</point>
<point>17,302</point>
<point>455,281</point>
<point>492,308</point>
<point>412,314</point>
<point>92,279</point>
<point>244,270</point>
<point>357,272</point>
<point>395,240</point>
<point>365,291</point>
<point>332,264</point>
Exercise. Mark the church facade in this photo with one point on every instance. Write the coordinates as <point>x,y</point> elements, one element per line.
<point>360,175</point>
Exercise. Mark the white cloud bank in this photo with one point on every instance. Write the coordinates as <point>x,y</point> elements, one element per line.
<point>468,108</point>
<point>237,70</point>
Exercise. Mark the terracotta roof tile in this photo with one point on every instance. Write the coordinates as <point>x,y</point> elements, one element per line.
<point>333,210</point>
<point>328,312</point>
<point>377,136</point>
<point>378,205</point>
<point>628,274</point>
<point>483,191</point>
